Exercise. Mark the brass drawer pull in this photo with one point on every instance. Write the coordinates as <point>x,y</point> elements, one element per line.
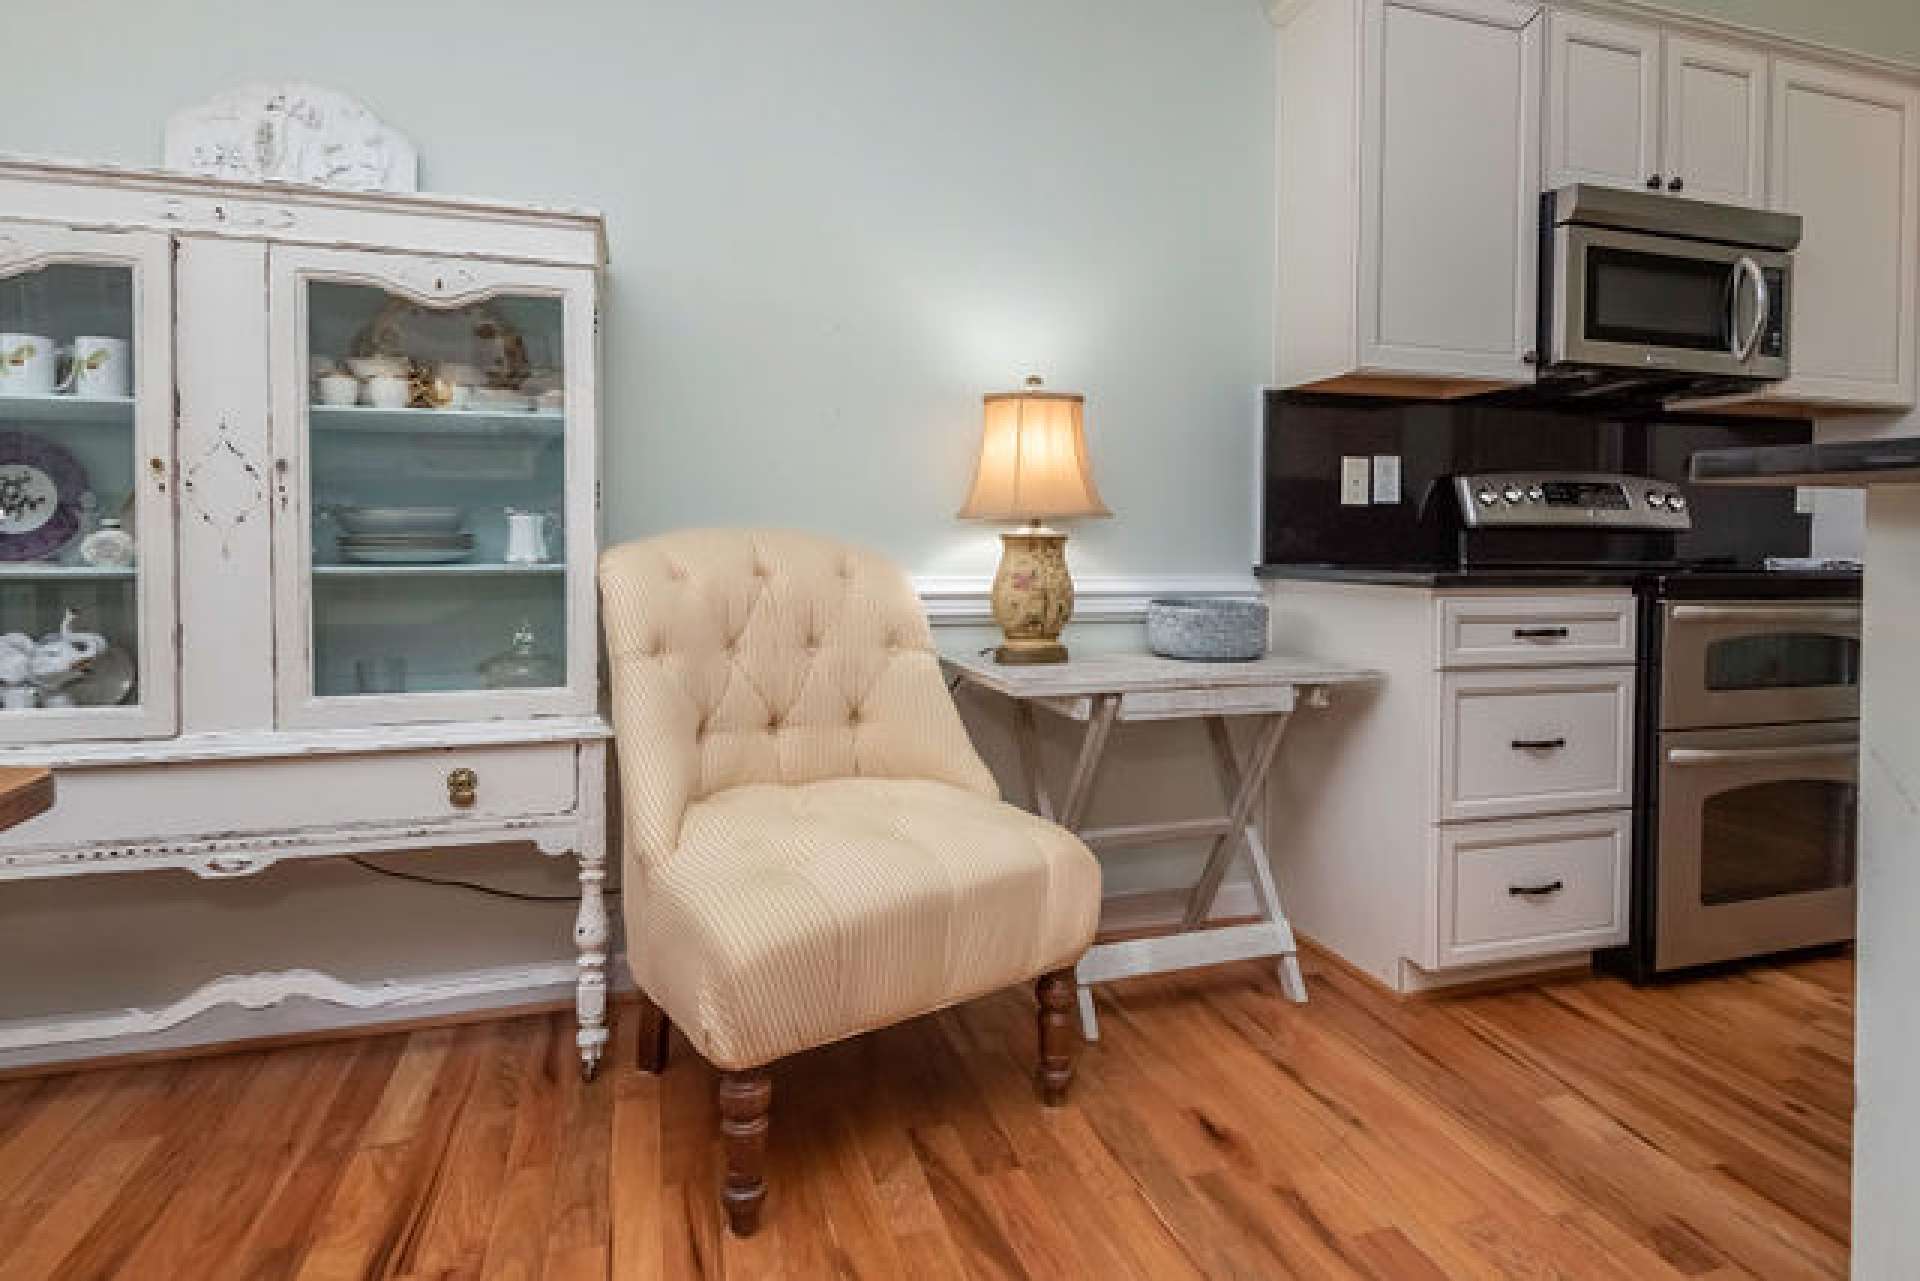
<point>463,787</point>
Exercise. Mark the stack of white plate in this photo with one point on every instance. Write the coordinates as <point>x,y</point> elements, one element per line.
<point>403,535</point>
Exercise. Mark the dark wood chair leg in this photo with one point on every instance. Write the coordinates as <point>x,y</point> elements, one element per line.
<point>654,1029</point>
<point>745,1098</point>
<point>1055,992</point>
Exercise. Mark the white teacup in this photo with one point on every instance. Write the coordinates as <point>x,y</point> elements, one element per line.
<point>389,391</point>
<point>101,369</point>
<point>27,364</point>
<point>337,389</point>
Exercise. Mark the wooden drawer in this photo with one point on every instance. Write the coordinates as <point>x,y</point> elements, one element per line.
<point>1532,887</point>
<point>1516,743</point>
<point>291,794</point>
<point>1535,631</point>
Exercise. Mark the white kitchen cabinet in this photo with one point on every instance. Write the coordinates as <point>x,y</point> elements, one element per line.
<point>1632,105</point>
<point>1471,818</point>
<point>1603,101</point>
<point>1409,161</point>
<point>1846,158</point>
<point>1714,126</point>
<point>283,678</point>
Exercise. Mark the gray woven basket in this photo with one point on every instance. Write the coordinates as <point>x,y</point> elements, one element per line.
<point>1212,628</point>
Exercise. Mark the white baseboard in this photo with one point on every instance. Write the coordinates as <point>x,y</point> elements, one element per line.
<point>246,1007</point>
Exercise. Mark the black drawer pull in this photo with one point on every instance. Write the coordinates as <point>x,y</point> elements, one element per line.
<point>1541,633</point>
<point>1538,744</point>
<point>1536,891</point>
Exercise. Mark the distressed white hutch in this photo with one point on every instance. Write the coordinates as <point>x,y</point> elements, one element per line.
<point>286,676</point>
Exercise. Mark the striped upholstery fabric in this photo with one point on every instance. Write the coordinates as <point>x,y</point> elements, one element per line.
<point>812,846</point>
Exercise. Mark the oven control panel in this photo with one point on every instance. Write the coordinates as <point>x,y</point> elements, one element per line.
<point>1576,500</point>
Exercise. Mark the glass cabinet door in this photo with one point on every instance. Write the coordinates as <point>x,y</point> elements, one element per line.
<point>86,519</point>
<point>434,497</point>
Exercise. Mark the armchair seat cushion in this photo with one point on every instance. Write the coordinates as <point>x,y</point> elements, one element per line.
<point>789,916</point>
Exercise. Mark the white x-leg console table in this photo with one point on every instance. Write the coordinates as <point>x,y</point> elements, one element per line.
<point>1104,689</point>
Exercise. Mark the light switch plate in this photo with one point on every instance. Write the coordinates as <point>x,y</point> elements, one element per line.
<point>1355,480</point>
<point>1803,501</point>
<point>1386,478</point>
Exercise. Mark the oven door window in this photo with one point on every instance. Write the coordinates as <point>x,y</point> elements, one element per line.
<point>1782,660</point>
<point>1658,300</point>
<point>1790,836</point>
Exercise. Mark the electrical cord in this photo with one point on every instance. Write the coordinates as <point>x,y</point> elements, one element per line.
<point>494,891</point>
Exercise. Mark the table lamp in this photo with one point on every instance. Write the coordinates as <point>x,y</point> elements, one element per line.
<point>1033,468</point>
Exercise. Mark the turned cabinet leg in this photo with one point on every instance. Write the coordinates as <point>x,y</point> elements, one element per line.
<point>745,1098</point>
<point>592,936</point>
<point>654,1029</point>
<point>1056,994</point>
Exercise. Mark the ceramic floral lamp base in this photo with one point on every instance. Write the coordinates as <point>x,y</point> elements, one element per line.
<point>1032,596</point>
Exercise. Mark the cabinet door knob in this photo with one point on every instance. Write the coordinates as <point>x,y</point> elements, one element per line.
<point>463,787</point>
<point>1653,182</point>
<point>1675,184</point>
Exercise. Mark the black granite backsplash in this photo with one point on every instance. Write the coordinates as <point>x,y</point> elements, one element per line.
<point>1302,520</point>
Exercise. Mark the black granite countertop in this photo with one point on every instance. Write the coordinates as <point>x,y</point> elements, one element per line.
<point>1435,576</point>
<point>1839,464</point>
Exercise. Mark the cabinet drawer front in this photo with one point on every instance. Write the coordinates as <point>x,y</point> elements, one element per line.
<point>1535,887</point>
<point>1517,743</point>
<point>287,794</point>
<point>1535,631</point>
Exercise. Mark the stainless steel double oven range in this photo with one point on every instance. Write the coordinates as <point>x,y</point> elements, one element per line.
<point>1747,756</point>
<point>1748,766</point>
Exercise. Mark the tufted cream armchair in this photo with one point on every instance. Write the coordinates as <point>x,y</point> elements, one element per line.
<point>812,847</point>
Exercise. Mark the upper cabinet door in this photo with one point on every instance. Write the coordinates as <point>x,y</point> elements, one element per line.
<point>435,521</point>
<point>1603,107</point>
<point>1716,122</point>
<point>1846,158</point>
<point>1450,174</point>
<point>87,608</point>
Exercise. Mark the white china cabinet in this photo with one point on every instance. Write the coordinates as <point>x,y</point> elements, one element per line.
<point>298,518</point>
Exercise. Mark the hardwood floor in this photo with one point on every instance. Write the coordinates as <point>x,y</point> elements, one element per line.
<point>1584,1129</point>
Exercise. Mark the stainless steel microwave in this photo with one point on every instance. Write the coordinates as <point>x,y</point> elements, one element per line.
<point>1639,286</point>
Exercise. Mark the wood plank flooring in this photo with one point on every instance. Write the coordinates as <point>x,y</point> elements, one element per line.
<point>1583,1129</point>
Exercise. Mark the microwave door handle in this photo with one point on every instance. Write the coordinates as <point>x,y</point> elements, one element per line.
<point>1748,270</point>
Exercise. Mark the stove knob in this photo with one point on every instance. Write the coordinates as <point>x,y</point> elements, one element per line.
<point>1676,502</point>
<point>1536,495</point>
<point>1513,494</point>
<point>1487,497</point>
<point>1656,499</point>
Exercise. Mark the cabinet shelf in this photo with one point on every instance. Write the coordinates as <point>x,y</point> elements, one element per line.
<point>30,570</point>
<point>112,411</point>
<point>431,422</point>
<point>457,569</point>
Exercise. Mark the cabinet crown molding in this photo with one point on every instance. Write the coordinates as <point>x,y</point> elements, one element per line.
<point>1284,11</point>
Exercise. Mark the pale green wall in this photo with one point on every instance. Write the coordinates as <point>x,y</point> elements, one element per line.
<point>834,224</point>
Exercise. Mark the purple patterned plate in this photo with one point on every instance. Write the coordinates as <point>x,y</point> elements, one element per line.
<point>40,488</point>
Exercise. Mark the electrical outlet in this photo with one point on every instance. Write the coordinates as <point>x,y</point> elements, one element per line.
<point>1386,478</point>
<point>1803,501</point>
<point>1355,478</point>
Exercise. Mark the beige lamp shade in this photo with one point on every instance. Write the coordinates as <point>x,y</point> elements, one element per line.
<point>1033,459</point>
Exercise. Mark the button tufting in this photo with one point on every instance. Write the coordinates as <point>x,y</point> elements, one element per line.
<point>676,572</point>
<point>773,721</point>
